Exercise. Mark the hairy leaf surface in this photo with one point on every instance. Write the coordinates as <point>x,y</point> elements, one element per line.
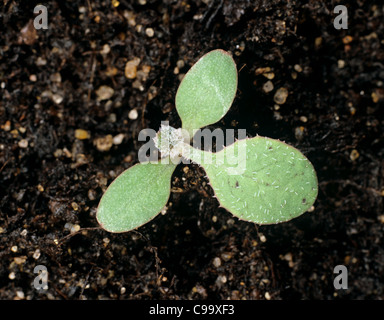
<point>207,90</point>
<point>135,197</point>
<point>261,179</point>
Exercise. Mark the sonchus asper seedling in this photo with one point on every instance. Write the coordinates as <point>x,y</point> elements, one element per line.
<point>275,184</point>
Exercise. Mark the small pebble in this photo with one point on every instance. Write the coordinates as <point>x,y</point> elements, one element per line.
<point>20,260</point>
<point>262,70</point>
<point>75,206</point>
<point>288,257</point>
<point>112,116</point>
<point>14,249</point>
<point>41,62</point>
<point>139,27</point>
<point>20,295</point>
<point>281,95</point>
<point>111,71</point>
<point>222,279</point>
<point>298,68</point>
<point>347,39</point>
<point>354,155</point>
<point>226,256</point>
<point>318,42</point>
<point>104,93</point>
<point>106,49</point>
<point>268,86</point>
<point>240,48</point>
<point>131,68</point>
<point>267,296</point>
<point>375,97</point>
<point>299,133</point>
<point>137,85</point>
<point>131,18</point>
<point>15,133</point>
<point>23,143</point>
<point>56,98</point>
<point>269,75</point>
<point>118,139</point>
<point>277,115</point>
<point>164,210</point>
<point>340,64</point>
<point>303,119</point>
<point>149,32</point>
<point>55,77</point>
<point>67,153</point>
<point>75,228</point>
<point>128,158</point>
<point>217,262</point>
<point>262,238</point>
<point>180,64</point>
<point>7,126</point>
<point>36,254</point>
<point>311,209</point>
<point>12,276</point>
<point>81,134</point>
<point>133,114</point>
<point>230,222</point>
<point>58,153</point>
<point>146,69</point>
<point>92,194</point>
<point>104,143</point>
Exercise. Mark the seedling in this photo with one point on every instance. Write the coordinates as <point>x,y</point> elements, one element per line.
<point>275,184</point>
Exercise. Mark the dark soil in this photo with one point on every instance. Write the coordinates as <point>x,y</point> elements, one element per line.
<point>51,181</point>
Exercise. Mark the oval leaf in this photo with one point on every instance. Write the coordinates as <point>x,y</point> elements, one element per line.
<point>135,197</point>
<point>207,90</point>
<point>261,180</point>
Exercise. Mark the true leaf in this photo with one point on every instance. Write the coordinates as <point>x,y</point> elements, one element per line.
<point>271,181</point>
<point>207,90</point>
<point>135,197</point>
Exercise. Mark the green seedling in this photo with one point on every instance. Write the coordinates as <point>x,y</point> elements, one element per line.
<point>260,180</point>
